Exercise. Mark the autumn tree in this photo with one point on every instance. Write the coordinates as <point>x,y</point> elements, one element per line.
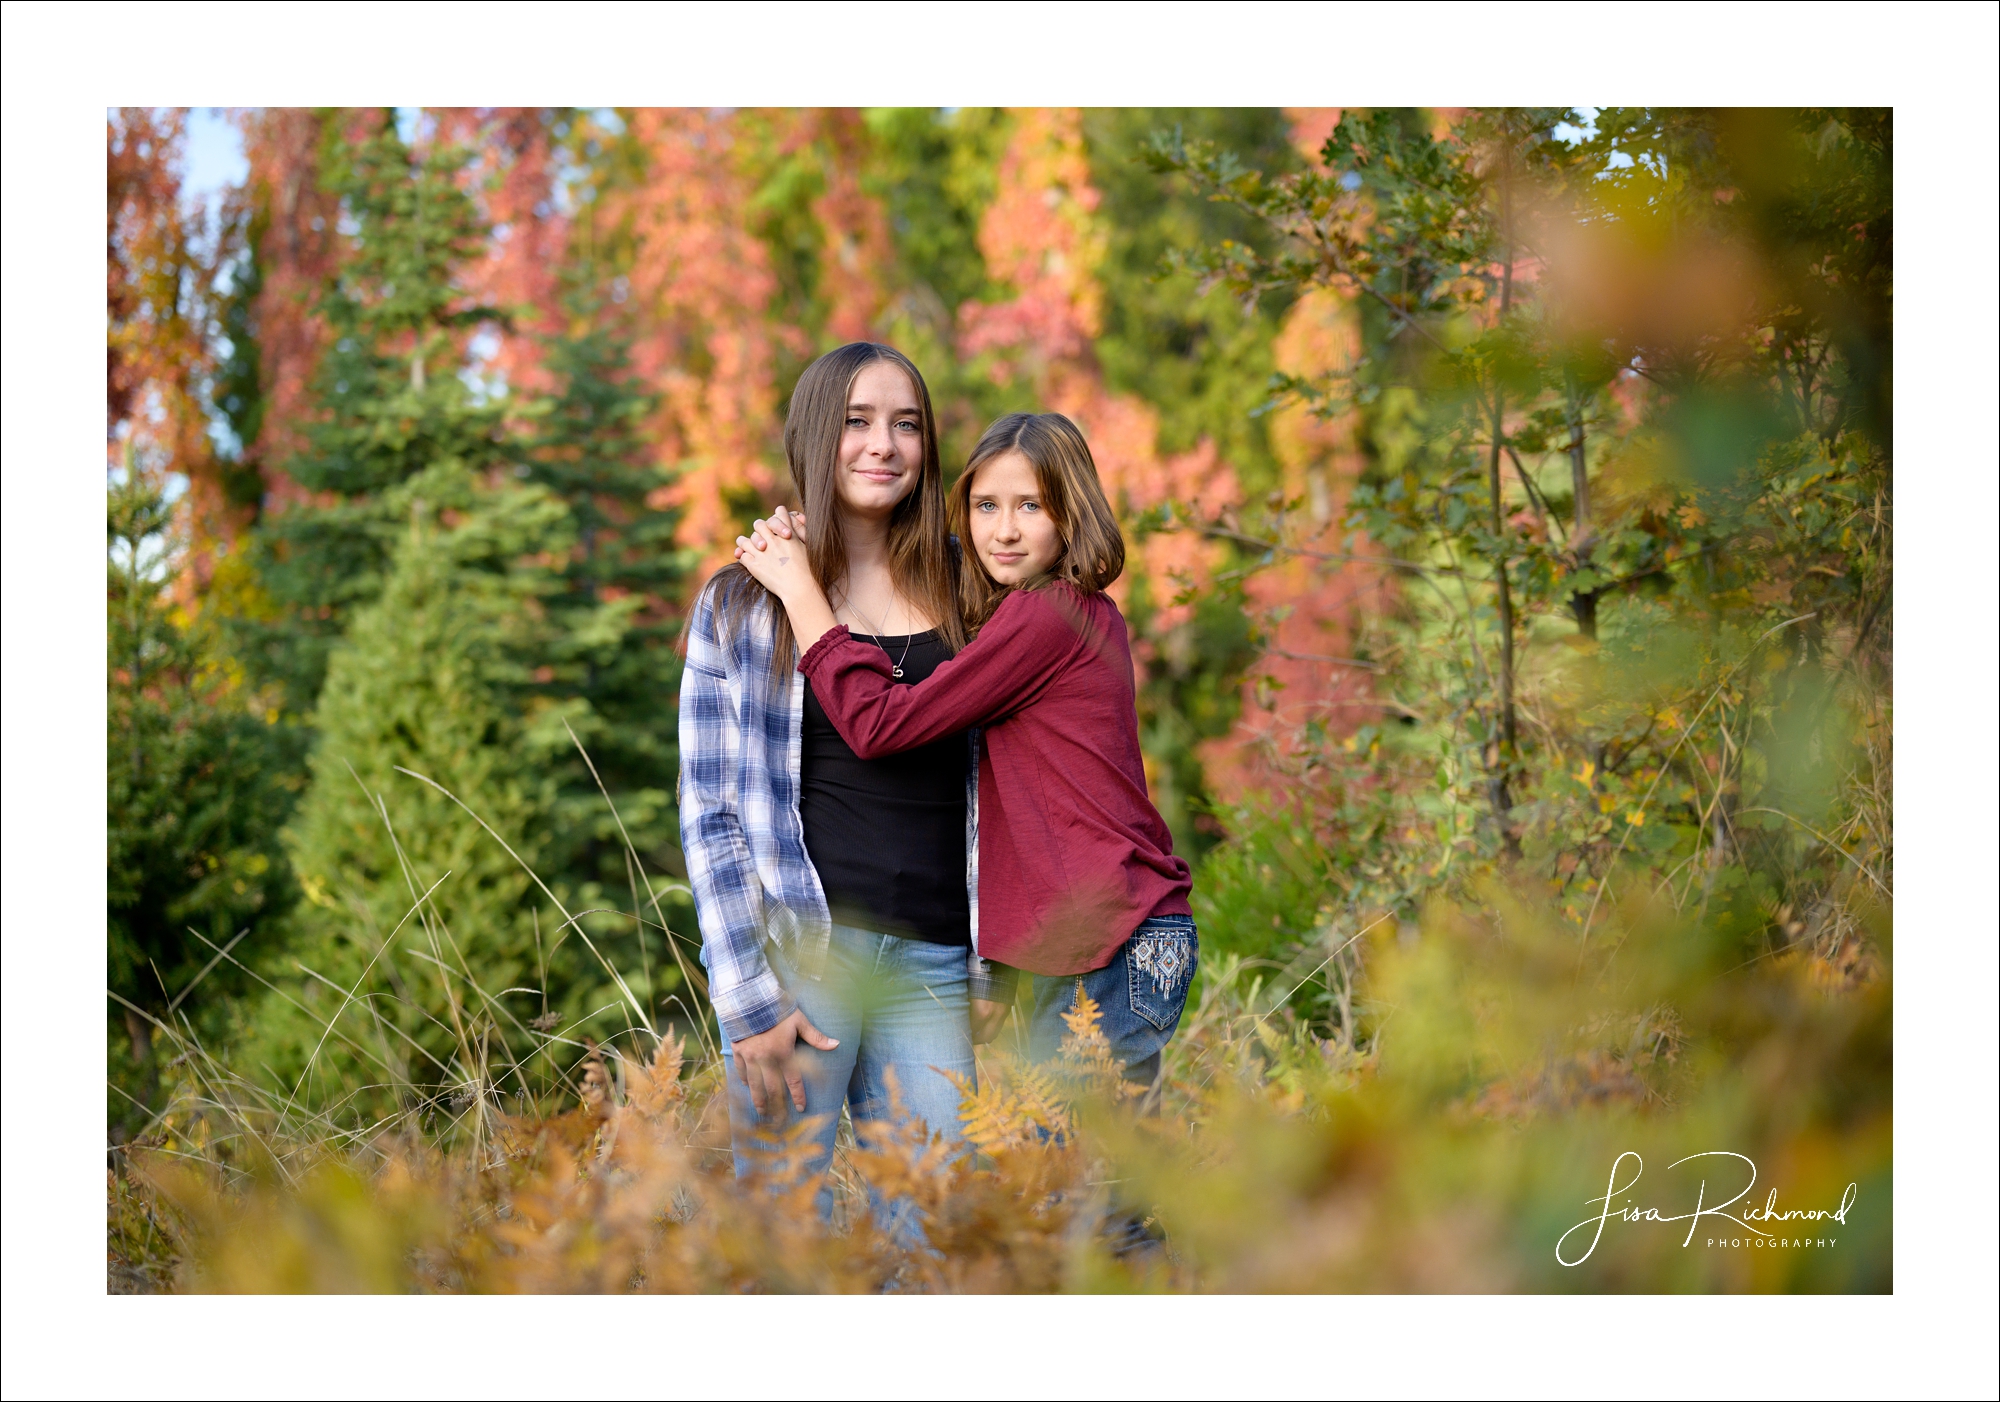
<point>159,276</point>
<point>693,283</point>
<point>1644,565</point>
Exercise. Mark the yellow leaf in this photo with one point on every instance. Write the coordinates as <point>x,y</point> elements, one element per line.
<point>315,890</point>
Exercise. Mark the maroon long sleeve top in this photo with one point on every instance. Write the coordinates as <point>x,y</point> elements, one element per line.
<point>1072,853</point>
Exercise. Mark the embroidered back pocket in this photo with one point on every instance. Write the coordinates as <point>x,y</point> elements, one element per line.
<point>1160,961</point>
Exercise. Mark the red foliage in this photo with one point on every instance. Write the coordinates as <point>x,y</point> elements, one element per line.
<point>159,267</point>
<point>151,345</point>
<point>1308,605</point>
<point>858,249</point>
<point>700,285</point>
<point>298,248</point>
<point>156,345</point>
<point>514,176</point>
<point>1310,128</point>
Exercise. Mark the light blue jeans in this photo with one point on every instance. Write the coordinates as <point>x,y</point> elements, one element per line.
<point>896,1006</point>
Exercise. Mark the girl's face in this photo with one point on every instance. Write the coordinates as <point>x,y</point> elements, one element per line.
<point>882,446</point>
<point>1012,531</point>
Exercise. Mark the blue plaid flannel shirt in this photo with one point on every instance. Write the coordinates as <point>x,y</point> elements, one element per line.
<point>742,835</point>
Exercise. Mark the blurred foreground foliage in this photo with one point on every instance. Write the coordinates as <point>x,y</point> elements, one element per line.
<point>1503,1083</point>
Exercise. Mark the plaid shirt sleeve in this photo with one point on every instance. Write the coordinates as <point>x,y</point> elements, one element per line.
<point>728,896</point>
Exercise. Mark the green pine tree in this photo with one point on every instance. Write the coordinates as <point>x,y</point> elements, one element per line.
<point>392,408</point>
<point>428,947</point>
<point>197,787</point>
<point>418,683</point>
<point>614,667</point>
<point>488,591</point>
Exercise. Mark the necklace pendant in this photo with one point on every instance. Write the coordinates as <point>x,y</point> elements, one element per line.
<point>895,671</point>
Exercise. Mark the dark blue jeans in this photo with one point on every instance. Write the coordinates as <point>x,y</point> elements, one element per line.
<point>1140,995</point>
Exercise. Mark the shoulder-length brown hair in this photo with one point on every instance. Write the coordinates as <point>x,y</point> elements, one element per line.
<point>920,553</point>
<point>1093,552</point>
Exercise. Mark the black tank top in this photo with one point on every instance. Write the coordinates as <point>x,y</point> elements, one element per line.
<point>887,836</point>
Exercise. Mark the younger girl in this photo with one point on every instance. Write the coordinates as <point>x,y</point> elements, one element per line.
<point>1079,882</point>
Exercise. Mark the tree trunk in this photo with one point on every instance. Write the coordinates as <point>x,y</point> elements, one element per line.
<point>1583,603</point>
<point>1500,788</point>
<point>1503,802</point>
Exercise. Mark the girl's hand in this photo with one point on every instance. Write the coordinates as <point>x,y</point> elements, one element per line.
<point>771,1066</point>
<point>781,524</point>
<point>987,1019</point>
<point>777,562</point>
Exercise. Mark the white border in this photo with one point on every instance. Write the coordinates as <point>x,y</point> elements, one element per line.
<point>63,65</point>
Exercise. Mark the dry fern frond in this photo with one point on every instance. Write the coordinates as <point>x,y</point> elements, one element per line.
<point>654,1089</point>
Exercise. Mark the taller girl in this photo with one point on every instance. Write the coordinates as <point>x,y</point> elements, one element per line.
<point>1081,885</point>
<point>835,891</point>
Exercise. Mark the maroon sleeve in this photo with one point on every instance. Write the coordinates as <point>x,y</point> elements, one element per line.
<point>1024,644</point>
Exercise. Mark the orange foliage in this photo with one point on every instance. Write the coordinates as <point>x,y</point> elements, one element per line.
<point>1040,236</point>
<point>1310,127</point>
<point>700,286</point>
<point>156,345</point>
<point>858,249</point>
<point>1309,606</point>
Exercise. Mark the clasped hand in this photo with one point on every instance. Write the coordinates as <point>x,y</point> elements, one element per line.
<point>774,552</point>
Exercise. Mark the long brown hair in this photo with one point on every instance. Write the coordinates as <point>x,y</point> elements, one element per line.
<point>919,543</point>
<point>1093,552</point>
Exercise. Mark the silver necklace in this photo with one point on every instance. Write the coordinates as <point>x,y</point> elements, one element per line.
<point>895,668</point>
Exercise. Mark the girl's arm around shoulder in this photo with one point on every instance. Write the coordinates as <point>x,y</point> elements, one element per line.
<point>1027,641</point>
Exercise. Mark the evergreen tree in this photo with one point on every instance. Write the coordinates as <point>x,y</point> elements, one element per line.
<point>238,391</point>
<point>197,788</point>
<point>613,668</point>
<point>488,587</point>
<point>395,421</point>
<point>429,679</point>
<point>428,943</point>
